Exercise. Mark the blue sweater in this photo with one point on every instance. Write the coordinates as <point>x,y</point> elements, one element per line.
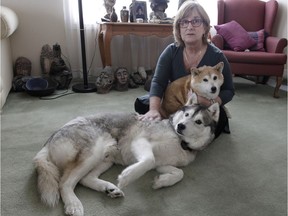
<point>170,66</point>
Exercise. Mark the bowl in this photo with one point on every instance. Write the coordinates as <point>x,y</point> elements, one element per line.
<point>40,86</point>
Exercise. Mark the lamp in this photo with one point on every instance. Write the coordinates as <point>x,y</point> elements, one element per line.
<point>85,87</point>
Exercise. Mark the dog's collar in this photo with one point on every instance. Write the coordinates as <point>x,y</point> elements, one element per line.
<point>184,146</point>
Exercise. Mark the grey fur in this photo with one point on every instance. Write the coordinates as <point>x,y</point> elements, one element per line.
<point>86,147</point>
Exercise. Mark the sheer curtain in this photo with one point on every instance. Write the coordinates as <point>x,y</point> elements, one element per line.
<point>91,16</point>
<point>127,51</point>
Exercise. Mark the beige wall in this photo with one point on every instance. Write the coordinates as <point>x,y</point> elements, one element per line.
<point>280,27</point>
<point>41,22</point>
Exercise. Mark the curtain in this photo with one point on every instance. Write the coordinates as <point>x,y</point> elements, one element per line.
<point>127,51</point>
<point>72,32</point>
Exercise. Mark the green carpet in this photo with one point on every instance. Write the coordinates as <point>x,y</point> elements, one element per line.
<point>241,174</point>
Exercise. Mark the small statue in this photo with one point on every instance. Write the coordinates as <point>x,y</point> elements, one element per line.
<point>158,9</point>
<point>113,16</point>
<point>46,58</point>
<point>148,81</point>
<point>121,79</point>
<point>59,70</point>
<point>19,82</point>
<point>142,72</point>
<point>109,4</point>
<point>131,6</point>
<point>132,84</point>
<point>105,80</point>
<point>23,67</point>
<point>22,72</point>
<point>139,76</point>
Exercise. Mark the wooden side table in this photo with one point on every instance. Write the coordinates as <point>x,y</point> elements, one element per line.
<point>108,30</point>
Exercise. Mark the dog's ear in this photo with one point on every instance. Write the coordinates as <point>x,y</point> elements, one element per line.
<point>215,111</point>
<point>192,98</point>
<point>194,71</point>
<point>219,67</point>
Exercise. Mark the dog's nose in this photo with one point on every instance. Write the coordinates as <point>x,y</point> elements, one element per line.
<point>180,127</point>
<point>213,89</point>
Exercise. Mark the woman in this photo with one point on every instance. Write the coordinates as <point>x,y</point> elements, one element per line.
<point>191,49</point>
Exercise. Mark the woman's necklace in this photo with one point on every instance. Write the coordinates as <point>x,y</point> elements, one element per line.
<point>196,59</point>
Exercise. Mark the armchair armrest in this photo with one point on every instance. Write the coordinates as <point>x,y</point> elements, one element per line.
<point>275,44</point>
<point>218,41</point>
<point>9,22</point>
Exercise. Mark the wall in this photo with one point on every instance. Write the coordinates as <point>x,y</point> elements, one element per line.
<point>41,22</point>
<point>280,27</point>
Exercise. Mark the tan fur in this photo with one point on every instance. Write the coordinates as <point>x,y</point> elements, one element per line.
<point>177,92</point>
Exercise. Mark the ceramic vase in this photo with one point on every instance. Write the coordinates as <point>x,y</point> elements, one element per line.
<point>124,14</point>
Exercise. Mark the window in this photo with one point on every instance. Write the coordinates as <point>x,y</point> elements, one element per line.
<point>93,10</point>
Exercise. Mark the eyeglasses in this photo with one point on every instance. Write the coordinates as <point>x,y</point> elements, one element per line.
<point>194,23</point>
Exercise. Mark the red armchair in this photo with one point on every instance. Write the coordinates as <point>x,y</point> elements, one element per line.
<point>253,16</point>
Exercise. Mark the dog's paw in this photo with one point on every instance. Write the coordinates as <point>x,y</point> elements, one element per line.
<point>160,181</point>
<point>124,178</point>
<point>157,183</point>
<point>114,192</point>
<point>74,209</point>
<point>122,181</point>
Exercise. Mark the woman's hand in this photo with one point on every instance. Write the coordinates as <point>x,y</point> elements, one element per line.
<point>151,115</point>
<point>206,102</point>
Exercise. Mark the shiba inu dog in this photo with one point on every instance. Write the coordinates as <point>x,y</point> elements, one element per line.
<point>86,147</point>
<point>204,81</point>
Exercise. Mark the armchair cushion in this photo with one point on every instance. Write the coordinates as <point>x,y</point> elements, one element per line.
<point>235,36</point>
<point>259,37</point>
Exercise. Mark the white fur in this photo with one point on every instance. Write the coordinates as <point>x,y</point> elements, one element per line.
<point>84,148</point>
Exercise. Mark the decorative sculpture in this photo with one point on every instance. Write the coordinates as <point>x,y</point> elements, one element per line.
<point>22,72</point>
<point>59,71</point>
<point>139,76</point>
<point>113,16</point>
<point>109,4</point>
<point>46,58</point>
<point>148,81</point>
<point>121,79</point>
<point>23,67</point>
<point>105,80</point>
<point>158,9</point>
<point>131,11</point>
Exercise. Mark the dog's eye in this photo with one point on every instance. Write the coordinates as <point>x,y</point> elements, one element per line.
<point>186,114</point>
<point>205,80</point>
<point>198,122</point>
<point>215,78</point>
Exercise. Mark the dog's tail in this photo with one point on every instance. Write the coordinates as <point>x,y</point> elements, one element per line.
<point>48,178</point>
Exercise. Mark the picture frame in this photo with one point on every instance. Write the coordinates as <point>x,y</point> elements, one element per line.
<point>139,10</point>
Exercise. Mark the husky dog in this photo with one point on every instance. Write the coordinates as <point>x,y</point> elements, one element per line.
<point>86,147</point>
<point>204,81</point>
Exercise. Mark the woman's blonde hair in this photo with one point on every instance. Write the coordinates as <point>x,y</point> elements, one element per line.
<point>184,11</point>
